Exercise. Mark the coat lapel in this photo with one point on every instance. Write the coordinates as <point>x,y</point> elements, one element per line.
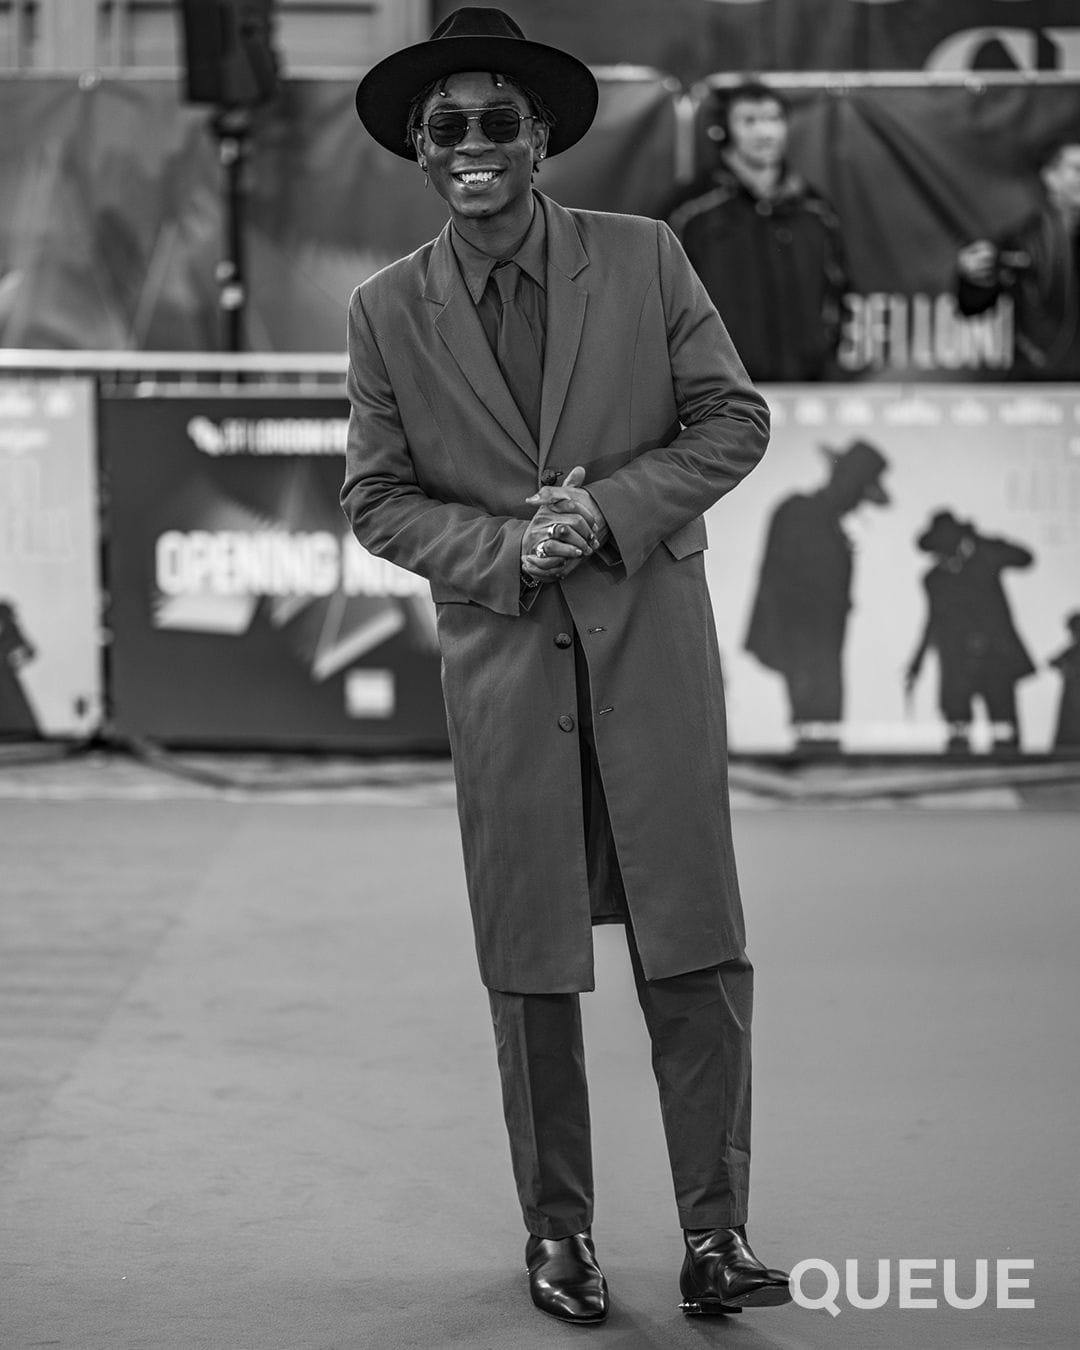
<point>566,300</point>
<point>459,327</point>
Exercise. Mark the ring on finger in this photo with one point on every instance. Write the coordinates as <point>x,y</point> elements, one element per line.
<point>541,549</point>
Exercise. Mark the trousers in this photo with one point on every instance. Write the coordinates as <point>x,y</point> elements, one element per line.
<point>699,1025</point>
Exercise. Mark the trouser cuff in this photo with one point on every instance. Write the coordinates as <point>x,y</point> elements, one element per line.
<point>541,1226</point>
<point>712,1218</point>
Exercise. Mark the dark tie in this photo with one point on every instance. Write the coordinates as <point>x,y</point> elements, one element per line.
<point>516,349</point>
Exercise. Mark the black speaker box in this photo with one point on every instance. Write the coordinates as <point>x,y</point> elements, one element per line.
<point>229,54</point>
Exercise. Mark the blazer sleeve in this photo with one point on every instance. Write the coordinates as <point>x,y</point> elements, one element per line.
<point>461,547</point>
<point>724,422</point>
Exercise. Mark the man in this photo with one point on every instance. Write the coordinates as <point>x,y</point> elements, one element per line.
<point>765,243</point>
<point>799,617</point>
<point>525,353</point>
<point>1038,264</point>
<point>969,625</point>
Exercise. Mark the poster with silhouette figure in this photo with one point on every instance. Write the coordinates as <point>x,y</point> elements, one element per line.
<point>241,609</point>
<point>900,574</point>
<point>50,666</point>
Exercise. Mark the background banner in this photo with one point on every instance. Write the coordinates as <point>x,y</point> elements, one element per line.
<point>694,37</point>
<point>945,618</point>
<point>914,174</point>
<point>901,574</point>
<point>110,214</point>
<point>242,611</point>
<point>50,678</point>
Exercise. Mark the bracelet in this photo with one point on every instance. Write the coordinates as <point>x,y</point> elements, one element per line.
<point>530,583</point>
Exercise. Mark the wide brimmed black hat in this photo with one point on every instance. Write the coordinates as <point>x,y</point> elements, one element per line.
<point>474,38</point>
<point>944,533</point>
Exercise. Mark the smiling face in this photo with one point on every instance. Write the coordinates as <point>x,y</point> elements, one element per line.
<point>482,180</point>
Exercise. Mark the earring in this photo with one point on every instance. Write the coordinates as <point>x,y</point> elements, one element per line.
<point>423,166</point>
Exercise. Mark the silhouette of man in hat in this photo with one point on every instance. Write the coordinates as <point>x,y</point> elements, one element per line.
<point>1067,662</point>
<point>799,616</point>
<point>544,404</point>
<point>16,715</point>
<point>970,627</point>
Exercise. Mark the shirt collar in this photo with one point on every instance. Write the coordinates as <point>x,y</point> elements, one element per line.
<point>531,256</point>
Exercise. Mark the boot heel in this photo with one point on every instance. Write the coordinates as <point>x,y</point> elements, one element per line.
<point>706,1307</point>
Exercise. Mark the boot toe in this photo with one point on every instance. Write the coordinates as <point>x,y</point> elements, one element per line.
<point>565,1280</point>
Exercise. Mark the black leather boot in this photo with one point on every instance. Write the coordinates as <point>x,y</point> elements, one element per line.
<point>565,1280</point>
<point>721,1274</point>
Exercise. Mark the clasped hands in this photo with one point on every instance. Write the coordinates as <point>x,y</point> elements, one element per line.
<point>568,526</point>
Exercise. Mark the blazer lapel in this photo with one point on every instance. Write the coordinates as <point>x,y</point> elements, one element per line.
<point>459,327</point>
<point>566,301</point>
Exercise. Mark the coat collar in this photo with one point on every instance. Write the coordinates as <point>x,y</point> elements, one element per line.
<point>459,327</point>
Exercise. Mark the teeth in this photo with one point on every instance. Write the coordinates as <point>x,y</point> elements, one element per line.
<point>485,176</point>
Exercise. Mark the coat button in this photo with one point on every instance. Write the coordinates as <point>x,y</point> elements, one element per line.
<point>563,640</point>
<point>549,477</point>
<point>566,722</point>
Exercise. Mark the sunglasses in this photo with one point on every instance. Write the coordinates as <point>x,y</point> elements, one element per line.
<point>500,125</point>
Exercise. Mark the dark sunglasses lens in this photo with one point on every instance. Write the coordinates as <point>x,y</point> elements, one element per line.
<point>447,128</point>
<point>500,125</point>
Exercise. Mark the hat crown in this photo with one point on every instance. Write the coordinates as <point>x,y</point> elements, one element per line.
<point>477,21</point>
<point>860,458</point>
<point>944,533</point>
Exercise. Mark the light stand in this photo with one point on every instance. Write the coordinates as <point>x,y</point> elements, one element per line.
<point>232,128</point>
<point>230,63</point>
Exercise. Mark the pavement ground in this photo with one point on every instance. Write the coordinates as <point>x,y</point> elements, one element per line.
<point>248,1095</point>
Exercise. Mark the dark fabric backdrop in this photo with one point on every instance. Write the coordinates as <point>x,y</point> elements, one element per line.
<point>111,217</point>
<point>693,38</point>
<point>110,208</point>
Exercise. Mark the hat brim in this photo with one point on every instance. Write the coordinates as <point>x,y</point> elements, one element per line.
<point>566,85</point>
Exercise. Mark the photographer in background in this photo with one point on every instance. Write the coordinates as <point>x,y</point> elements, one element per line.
<point>765,244</point>
<point>1038,266</point>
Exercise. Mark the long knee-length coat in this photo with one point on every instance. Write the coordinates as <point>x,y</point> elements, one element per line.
<point>642,387</point>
